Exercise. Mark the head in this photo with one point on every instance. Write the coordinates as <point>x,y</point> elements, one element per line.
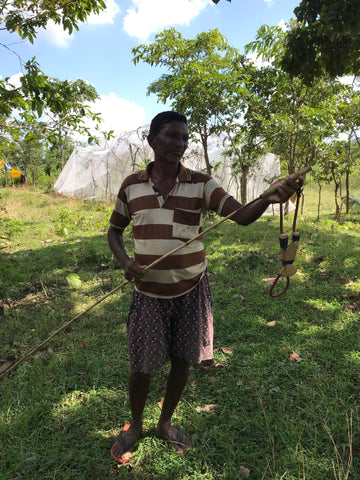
<point>162,118</point>
<point>168,137</point>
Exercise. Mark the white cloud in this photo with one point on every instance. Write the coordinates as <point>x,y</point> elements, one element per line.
<point>146,17</point>
<point>107,15</point>
<point>56,35</point>
<point>14,80</point>
<point>118,114</point>
<point>258,60</point>
<point>283,25</point>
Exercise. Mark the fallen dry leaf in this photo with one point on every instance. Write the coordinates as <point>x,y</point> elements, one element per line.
<point>206,365</point>
<point>223,363</point>
<point>5,365</point>
<point>207,408</point>
<point>227,350</point>
<point>294,357</point>
<point>160,404</point>
<point>271,324</point>
<point>351,306</point>
<point>244,471</point>
<point>238,295</point>
<point>352,297</point>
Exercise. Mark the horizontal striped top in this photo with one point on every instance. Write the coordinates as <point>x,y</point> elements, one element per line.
<point>159,226</point>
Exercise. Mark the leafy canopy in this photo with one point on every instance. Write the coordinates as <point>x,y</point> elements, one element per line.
<point>325,39</point>
<point>37,94</point>
<point>25,16</point>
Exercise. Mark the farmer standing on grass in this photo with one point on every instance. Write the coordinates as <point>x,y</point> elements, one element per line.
<point>170,316</point>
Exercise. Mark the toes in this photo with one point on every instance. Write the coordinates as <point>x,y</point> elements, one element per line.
<point>121,450</point>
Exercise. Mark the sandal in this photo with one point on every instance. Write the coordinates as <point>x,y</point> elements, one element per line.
<point>180,443</point>
<point>125,445</point>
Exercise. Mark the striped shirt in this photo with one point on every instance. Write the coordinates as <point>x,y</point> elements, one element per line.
<point>160,225</point>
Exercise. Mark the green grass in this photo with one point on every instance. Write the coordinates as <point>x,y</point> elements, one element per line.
<point>61,409</point>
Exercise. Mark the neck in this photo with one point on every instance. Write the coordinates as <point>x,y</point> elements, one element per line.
<point>165,170</point>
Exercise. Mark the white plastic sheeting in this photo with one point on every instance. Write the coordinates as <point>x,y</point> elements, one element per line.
<point>93,173</point>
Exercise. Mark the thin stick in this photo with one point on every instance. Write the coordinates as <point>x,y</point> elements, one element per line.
<point>267,192</point>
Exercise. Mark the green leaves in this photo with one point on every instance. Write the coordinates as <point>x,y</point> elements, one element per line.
<point>25,17</point>
<point>73,280</point>
<point>62,101</point>
<point>324,40</point>
<point>201,75</point>
<point>38,94</point>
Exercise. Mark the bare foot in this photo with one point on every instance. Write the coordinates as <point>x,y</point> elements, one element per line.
<point>122,448</point>
<point>174,438</point>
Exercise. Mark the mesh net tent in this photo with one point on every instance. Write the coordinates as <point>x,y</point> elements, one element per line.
<point>93,173</point>
<point>354,202</point>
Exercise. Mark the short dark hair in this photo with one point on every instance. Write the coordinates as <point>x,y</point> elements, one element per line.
<point>165,117</point>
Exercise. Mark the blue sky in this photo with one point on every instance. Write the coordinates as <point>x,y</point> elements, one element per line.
<point>100,52</point>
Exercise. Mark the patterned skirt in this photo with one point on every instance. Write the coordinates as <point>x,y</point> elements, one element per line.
<point>181,327</point>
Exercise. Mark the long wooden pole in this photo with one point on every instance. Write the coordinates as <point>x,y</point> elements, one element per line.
<point>267,192</point>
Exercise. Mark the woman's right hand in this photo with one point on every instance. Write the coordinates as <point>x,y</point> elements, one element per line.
<point>133,271</point>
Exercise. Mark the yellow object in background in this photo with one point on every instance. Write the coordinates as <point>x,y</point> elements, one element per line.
<point>8,168</point>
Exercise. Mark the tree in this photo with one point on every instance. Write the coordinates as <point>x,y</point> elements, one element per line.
<point>38,93</point>
<point>348,124</point>
<point>326,39</point>
<point>335,161</point>
<point>302,116</point>
<point>244,124</point>
<point>199,78</point>
<point>25,16</point>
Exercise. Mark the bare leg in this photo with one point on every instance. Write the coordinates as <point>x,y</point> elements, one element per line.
<point>138,391</point>
<point>176,384</point>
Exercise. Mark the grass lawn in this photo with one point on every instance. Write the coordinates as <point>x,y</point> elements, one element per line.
<point>253,413</point>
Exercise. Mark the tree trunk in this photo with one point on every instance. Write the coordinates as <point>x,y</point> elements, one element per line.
<point>347,185</point>
<point>243,183</point>
<point>204,142</point>
<point>319,201</point>
<point>336,192</point>
<point>302,203</point>
<point>337,206</point>
<point>347,179</point>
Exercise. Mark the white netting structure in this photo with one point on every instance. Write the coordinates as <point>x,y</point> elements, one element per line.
<point>93,173</point>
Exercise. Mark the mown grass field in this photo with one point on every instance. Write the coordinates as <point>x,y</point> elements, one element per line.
<point>253,414</point>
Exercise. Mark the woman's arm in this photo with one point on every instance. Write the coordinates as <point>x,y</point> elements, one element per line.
<point>133,271</point>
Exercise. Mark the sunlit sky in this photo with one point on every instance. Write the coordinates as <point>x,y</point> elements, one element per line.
<point>100,52</point>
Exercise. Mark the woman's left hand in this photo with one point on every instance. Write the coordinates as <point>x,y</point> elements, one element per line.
<point>285,188</point>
